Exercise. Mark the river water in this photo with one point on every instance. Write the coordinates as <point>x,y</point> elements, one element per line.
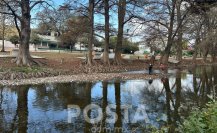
<point>132,105</point>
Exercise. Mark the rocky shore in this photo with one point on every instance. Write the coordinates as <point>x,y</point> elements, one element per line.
<point>81,77</point>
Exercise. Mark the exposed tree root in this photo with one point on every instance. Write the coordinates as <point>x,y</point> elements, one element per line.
<point>118,61</point>
<point>107,63</point>
<point>28,61</point>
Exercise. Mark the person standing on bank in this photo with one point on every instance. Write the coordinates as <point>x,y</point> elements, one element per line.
<point>150,69</point>
<point>151,63</point>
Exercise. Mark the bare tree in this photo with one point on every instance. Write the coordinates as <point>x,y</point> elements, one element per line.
<point>167,18</point>
<point>91,34</point>
<point>170,38</point>
<point>206,29</point>
<point>86,9</point>
<point>3,32</point>
<point>107,31</point>
<point>180,30</point>
<point>75,29</point>
<point>121,21</point>
<point>21,11</point>
<point>54,19</point>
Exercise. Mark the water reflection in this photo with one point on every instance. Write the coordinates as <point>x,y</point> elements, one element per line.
<point>118,123</point>
<point>173,99</point>
<point>43,108</point>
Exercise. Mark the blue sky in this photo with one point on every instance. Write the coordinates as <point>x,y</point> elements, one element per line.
<point>58,2</point>
<point>98,18</point>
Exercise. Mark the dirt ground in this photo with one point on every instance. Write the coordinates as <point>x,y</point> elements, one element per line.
<point>70,63</point>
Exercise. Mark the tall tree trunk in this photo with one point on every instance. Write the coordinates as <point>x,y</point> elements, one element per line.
<point>166,53</point>
<point>195,55</point>
<point>91,34</point>
<point>196,46</point>
<point>118,123</point>
<point>205,53</point>
<point>195,85</point>
<point>107,30</point>
<point>214,72</point>
<point>121,17</point>
<point>22,109</point>
<point>24,57</point>
<point>179,47</point>
<point>3,33</point>
<point>213,57</point>
<point>180,34</point>
<point>1,113</point>
<point>168,100</point>
<point>213,51</point>
<point>206,47</point>
<point>178,96</point>
<point>104,103</point>
<point>88,87</point>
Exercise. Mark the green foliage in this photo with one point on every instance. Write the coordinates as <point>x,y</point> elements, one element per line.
<point>157,51</point>
<point>146,52</point>
<point>98,43</point>
<point>113,42</point>
<point>185,44</point>
<point>201,121</point>
<point>188,53</point>
<point>130,48</point>
<point>14,39</point>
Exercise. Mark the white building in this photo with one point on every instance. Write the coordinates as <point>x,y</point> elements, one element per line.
<point>48,38</point>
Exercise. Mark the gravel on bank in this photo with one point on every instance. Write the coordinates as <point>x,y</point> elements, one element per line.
<point>81,77</point>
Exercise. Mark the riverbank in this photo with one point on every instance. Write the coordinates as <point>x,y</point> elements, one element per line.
<point>67,68</point>
<point>79,78</point>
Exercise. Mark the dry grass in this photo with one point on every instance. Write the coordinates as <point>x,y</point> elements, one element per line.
<point>57,56</point>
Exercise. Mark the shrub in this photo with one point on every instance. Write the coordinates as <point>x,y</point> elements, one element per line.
<point>201,121</point>
<point>130,48</point>
<point>14,39</point>
<point>146,52</point>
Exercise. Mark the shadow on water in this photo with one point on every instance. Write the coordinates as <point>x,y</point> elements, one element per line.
<point>44,108</point>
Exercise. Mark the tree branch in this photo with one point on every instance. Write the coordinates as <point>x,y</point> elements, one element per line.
<point>12,11</point>
<point>128,19</point>
<point>7,13</point>
<point>180,24</point>
<point>36,3</point>
<point>99,36</point>
<point>17,26</point>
